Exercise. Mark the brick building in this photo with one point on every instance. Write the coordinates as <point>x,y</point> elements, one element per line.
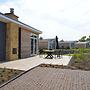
<point>17,40</point>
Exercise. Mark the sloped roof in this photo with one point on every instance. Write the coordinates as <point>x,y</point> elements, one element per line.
<point>82,42</point>
<point>67,42</point>
<point>8,19</point>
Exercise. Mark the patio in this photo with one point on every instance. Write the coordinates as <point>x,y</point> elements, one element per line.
<point>28,63</point>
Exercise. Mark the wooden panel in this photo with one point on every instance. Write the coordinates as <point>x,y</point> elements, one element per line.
<point>2,41</point>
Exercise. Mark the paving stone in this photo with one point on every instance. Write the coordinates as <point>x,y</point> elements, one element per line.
<point>43,78</point>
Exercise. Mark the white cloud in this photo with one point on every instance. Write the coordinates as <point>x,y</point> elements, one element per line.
<point>68,19</point>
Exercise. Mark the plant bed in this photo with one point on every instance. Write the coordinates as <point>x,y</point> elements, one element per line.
<point>83,65</point>
<point>72,67</point>
<point>58,66</point>
<point>7,74</point>
<point>81,62</point>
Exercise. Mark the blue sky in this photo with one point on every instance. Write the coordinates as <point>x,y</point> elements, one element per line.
<point>2,1</point>
<point>68,19</point>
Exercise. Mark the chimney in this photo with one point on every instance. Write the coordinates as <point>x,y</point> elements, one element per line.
<point>11,14</point>
<point>12,10</point>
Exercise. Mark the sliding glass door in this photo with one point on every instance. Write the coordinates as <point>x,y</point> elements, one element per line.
<point>34,44</point>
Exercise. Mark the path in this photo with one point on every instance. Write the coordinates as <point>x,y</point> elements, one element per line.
<point>42,78</point>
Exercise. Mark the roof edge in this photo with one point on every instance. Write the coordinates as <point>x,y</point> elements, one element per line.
<point>20,23</point>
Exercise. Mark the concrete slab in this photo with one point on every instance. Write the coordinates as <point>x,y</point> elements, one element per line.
<point>64,60</point>
<point>28,63</point>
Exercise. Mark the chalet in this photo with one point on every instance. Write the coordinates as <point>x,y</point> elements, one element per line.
<point>82,45</point>
<point>67,44</point>
<point>17,40</point>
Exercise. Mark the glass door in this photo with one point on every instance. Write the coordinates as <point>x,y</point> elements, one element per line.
<point>34,45</point>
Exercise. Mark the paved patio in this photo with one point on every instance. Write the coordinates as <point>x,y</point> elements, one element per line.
<point>43,78</point>
<point>28,63</point>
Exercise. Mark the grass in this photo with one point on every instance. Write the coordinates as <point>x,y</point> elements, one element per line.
<point>81,59</point>
<point>7,74</point>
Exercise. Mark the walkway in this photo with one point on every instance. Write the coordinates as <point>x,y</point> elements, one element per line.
<point>28,63</point>
<point>43,78</point>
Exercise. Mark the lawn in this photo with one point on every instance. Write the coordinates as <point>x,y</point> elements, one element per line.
<point>7,74</point>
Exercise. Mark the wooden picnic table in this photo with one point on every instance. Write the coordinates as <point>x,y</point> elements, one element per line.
<point>49,54</point>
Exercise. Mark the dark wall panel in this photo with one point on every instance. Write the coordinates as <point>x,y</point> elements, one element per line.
<point>2,41</point>
<point>19,43</point>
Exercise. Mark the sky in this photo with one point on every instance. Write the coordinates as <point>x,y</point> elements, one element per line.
<point>68,19</point>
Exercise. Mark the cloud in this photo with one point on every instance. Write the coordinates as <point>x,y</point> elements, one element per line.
<point>69,19</point>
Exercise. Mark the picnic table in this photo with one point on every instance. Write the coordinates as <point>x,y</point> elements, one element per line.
<point>49,54</point>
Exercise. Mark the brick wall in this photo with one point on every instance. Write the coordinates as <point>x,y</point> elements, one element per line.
<point>11,41</point>
<point>25,43</point>
<point>43,44</point>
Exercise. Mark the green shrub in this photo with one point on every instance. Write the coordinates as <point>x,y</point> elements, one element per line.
<point>85,50</point>
<point>80,56</point>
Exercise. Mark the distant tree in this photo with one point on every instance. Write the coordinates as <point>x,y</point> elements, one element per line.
<point>88,39</point>
<point>57,45</point>
<point>62,47</point>
<point>41,38</point>
<point>62,40</point>
<point>83,39</point>
<point>68,47</point>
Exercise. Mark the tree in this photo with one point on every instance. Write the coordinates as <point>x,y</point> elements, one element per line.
<point>62,40</point>
<point>57,45</point>
<point>41,38</point>
<point>83,39</point>
<point>88,39</point>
